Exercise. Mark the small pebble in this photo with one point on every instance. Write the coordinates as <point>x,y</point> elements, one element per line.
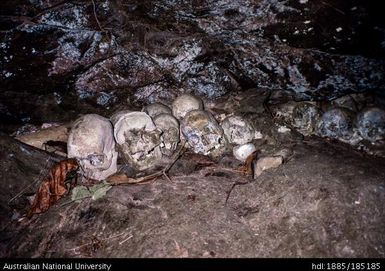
<point>265,163</point>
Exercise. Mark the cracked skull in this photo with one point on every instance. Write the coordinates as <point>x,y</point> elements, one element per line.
<point>237,130</point>
<point>336,123</point>
<point>203,133</point>
<point>371,124</point>
<point>305,117</point>
<point>92,143</point>
<point>184,104</point>
<point>138,139</point>
<point>169,125</point>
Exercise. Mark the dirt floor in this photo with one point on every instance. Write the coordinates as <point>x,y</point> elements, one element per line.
<point>327,200</point>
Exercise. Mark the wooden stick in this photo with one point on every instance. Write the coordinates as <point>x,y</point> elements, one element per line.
<point>118,179</point>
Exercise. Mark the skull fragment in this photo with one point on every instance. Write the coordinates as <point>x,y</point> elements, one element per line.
<point>169,125</point>
<point>371,124</point>
<point>92,143</point>
<point>156,109</point>
<point>305,117</point>
<point>203,133</point>
<point>336,123</point>
<point>242,152</point>
<point>237,130</point>
<point>138,139</point>
<point>184,104</point>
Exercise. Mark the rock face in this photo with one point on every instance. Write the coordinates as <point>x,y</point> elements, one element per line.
<point>22,166</point>
<point>59,58</point>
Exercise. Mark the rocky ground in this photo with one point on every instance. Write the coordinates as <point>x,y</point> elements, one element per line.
<point>257,59</point>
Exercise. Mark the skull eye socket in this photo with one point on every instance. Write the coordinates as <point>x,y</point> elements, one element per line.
<point>152,137</point>
<point>95,159</point>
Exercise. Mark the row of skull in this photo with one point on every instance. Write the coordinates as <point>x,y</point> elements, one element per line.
<point>142,138</point>
<point>341,123</point>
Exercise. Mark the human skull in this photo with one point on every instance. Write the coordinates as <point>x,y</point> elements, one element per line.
<point>203,133</point>
<point>305,117</point>
<point>92,143</point>
<point>184,104</point>
<point>242,152</point>
<point>371,124</point>
<point>138,139</point>
<point>336,123</point>
<point>156,109</point>
<point>169,125</point>
<point>237,130</point>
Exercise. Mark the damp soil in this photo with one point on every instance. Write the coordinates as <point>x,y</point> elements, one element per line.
<point>327,200</point>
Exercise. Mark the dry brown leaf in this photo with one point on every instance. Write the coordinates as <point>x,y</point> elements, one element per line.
<point>247,168</point>
<point>53,187</point>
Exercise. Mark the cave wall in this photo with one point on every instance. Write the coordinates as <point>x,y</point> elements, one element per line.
<point>62,58</point>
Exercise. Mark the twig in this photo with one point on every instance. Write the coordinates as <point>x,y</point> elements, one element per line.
<point>124,179</point>
<point>333,7</point>
<point>93,242</point>
<point>125,240</point>
<point>232,188</point>
<point>75,200</point>
<point>247,169</point>
<point>227,169</point>
<point>167,177</point>
<point>41,175</point>
<point>96,17</point>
